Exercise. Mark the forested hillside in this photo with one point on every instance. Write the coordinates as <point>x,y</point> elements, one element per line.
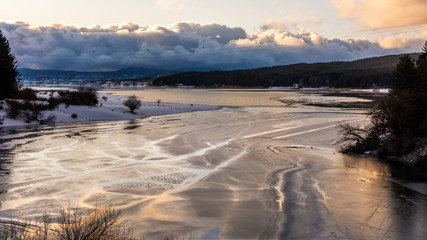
<point>361,73</point>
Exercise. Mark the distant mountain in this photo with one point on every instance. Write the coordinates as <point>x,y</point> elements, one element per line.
<point>363,73</point>
<point>119,74</point>
<point>369,72</point>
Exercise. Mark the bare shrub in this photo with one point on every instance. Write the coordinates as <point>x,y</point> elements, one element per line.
<point>27,94</point>
<point>14,109</point>
<point>10,231</point>
<point>33,112</point>
<point>132,103</point>
<point>53,103</point>
<point>359,139</point>
<point>29,111</point>
<point>86,97</point>
<point>100,224</point>
<point>50,120</point>
<point>74,116</point>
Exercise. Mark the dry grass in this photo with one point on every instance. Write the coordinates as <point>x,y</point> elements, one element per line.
<point>72,224</point>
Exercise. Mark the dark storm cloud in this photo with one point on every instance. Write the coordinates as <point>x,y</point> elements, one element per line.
<point>178,46</point>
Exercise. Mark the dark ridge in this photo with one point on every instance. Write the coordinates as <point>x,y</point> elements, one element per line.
<point>364,73</point>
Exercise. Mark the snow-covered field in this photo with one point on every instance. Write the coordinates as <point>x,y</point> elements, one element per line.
<point>107,110</point>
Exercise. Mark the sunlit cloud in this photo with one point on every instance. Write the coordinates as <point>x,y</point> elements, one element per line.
<point>380,14</point>
<point>170,4</point>
<point>390,42</point>
<point>274,24</point>
<point>183,46</point>
<point>401,41</point>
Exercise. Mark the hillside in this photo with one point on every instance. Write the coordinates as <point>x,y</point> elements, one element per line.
<point>62,74</point>
<point>362,73</point>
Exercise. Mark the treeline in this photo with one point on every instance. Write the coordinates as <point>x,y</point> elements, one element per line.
<point>361,73</point>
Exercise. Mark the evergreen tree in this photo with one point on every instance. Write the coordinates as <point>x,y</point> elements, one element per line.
<point>405,108</point>
<point>404,76</point>
<point>9,75</point>
<point>423,55</point>
<point>422,69</point>
<point>422,78</point>
<point>400,117</point>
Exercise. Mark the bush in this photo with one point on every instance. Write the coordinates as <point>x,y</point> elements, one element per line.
<point>14,109</point>
<point>74,115</point>
<point>361,139</point>
<point>53,103</point>
<point>99,224</point>
<point>50,120</point>
<point>132,103</point>
<point>86,97</point>
<point>27,94</point>
<point>29,111</point>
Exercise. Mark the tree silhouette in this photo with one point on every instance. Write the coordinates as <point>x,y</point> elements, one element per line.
<point>404,76</point>
<point>422,70</point>
<point>9,75</point>
<point>132,103</point>
<point>400,117</point>
<point>405,107</point>
<point>423,55</point>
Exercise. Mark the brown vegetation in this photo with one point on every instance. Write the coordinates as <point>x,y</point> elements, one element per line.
<point>99,224</point>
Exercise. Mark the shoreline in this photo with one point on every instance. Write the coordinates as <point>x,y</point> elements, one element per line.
<point>111,109</point>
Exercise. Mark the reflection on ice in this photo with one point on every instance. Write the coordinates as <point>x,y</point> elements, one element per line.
<point>250,174</point>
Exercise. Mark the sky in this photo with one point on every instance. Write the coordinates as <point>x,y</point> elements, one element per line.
<point>104,35</point>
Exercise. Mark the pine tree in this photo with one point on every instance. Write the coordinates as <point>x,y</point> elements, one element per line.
<point>9,75</point>
<point>422,78</point>
<point>404,76</point>
<point>423,55</point>
<point>422,69</point>
<point>405,107</point>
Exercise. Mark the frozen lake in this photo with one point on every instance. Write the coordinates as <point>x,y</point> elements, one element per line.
<point>255,169</point>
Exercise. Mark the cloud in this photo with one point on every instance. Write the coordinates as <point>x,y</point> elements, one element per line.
<point>170,4</point>
<point>383,13</point>
<point>181,46</point>
<point>274,24</point>
<point>401,41</point>
<point>390,42</point>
